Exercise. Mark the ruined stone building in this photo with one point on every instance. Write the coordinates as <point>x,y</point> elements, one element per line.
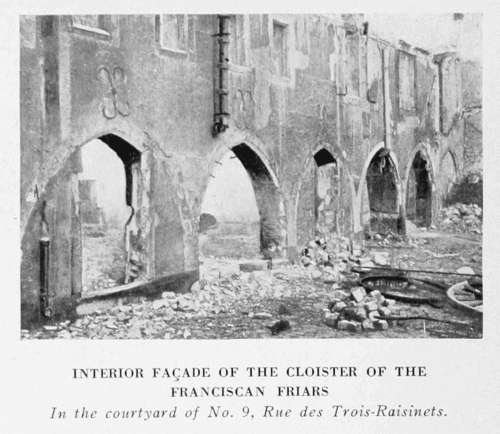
<point>339,131</point>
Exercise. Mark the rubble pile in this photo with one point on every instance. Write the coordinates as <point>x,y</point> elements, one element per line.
<point>237,294</point>
<point>355,310</point>
<point>386,239</point>
<point>332,259</point>
<point>461,218</point>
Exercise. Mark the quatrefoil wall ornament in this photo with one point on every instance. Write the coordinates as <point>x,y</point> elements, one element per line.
<point>115,97</point>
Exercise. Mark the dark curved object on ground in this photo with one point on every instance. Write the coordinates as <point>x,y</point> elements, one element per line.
<point>404,289</point>
<point>279,326</point>
<point>467,297</point>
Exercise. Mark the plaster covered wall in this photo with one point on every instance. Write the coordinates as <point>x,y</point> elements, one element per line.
<point>334,88</point>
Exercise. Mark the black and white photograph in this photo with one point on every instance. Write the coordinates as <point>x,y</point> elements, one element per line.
<point>251,176</point>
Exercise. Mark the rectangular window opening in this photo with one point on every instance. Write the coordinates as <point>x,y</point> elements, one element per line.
<point>97,24</point>
<point>172,32</point>
<point>406,82</point>
<point>280,48</point>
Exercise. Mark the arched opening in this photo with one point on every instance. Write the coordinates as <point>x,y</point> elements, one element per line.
<point>241,210</point>
<point>324,199</point>
<point>447,175</point>
<point>326,207</point>
<point>107,190</point>
<point>382,192</point>
<point>419,192</point>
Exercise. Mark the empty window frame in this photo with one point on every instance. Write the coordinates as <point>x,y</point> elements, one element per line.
<point>172,32</point>
<point>352,64</point>
<point>91,23</point>
<point>406,81</point>
<point>280,48</point>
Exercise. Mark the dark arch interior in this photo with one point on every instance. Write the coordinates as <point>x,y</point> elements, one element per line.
<point>419,192</point>
<point>266,195</point>
<point>107,180</point>
<point>128,154</point>
<point>323,157</point>
<point>382,193</point>
<point>326,193</point>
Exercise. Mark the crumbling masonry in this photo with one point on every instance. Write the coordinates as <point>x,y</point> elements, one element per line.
<point>339,131</point>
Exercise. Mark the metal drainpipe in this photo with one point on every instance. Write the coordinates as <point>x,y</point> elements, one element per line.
<point>221,91</point>
<point>44,243</point>
<point>387,100</point>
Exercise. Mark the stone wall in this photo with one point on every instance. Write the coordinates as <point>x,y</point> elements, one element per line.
<point>320,83</point>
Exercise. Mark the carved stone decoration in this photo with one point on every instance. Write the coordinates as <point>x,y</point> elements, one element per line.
<point>115,98</point>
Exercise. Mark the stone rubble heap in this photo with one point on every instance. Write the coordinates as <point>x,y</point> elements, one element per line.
<point>461,218</point>
<point>355,310</point>
<point>237,293</point>
<point>330,260</point>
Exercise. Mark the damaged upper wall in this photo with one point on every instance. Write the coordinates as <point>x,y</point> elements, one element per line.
<point>296,81</point>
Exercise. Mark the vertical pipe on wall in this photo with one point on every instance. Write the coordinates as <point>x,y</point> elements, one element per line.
<point>387,98</point>
<point>44,245</point>
<point>222,76</point>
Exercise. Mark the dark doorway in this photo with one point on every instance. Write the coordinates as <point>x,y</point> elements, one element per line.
<point>107,213</point>
<point>326,193</point>
<point>381,182</point>
<point>419,192</point>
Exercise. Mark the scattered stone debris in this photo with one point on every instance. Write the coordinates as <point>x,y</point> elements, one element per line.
<point>320,296</point>
<point>357,310</point>
<point>461,218</point>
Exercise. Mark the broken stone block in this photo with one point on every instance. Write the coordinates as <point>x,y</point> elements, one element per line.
<point>374,315</point>
<point>367,324</point>
<point>261,315</point>
<point>381,258</point>
<point>360,314</point>
<point>196,287</point>
<point>355,313</point>
<point>366,262</point>
<point>389,302</point>
<point>381,324</point>
<point>339,306</point>
<point>351,326</point>
<point>331,319</point>
<point>465,270</point>
<point>305,261</point>
<point>358,293</point>
<point>376,294</point>
<point>316,274</point>
<point>384,311</point>
<point>341,295</point>
<point>371,306</point>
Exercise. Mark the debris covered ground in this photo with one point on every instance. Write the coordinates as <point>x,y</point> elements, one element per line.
<point>461,218</point>
<point>296,301</point>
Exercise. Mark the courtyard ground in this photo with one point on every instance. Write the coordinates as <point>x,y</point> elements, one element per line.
<point>230,304</point>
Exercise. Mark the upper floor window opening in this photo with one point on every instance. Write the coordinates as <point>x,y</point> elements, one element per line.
<point>172,32</point>
<point>406,81</point>
<point>280,48</point>
<point>97,24</point>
